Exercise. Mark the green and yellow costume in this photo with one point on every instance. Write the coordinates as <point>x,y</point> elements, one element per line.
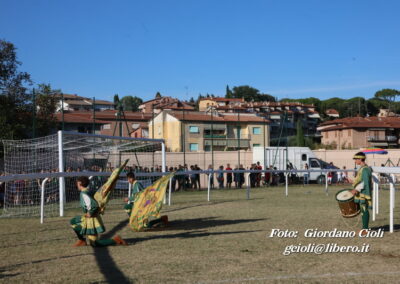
<point>90,226</point>
<point>136,188</point>
<point>363,184</point>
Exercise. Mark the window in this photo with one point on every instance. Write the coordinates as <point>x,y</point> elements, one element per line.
<point>256,145</point>
<point>304,157</point>
<point>314,164</point>
<point>106,126</point>
<point>256,130</point>
<point>193,147</point>
<point>194,129</point>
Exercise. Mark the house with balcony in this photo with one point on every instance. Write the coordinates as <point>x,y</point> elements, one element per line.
<point>160,103</point>
<point>282,115</point>
<point>221,103</point>
<point>77,103</point>
<point>129,124</point>
<point>209,131</point>
<point>361,132</point>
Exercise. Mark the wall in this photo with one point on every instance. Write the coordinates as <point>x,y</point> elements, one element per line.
<point>342,158</point>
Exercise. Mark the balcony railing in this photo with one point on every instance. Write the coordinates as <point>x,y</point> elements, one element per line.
<point>384,138</point>
<point>215,136</point>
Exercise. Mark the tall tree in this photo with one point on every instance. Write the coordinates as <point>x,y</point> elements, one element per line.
<point>15,103</point>
<point>228,93</point>
<point>250,94</point>
<point>116,101</point>
<point>46,103</point>
<point>388,95</point>
<point>300,140</point>
<point>130,103</point>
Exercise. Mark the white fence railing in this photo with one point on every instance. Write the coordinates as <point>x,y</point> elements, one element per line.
<point>389,172</point>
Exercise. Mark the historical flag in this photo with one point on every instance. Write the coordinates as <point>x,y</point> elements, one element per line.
<point>103,194</point>
<point>148,203</point>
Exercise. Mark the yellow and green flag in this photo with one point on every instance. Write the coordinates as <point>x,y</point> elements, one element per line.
<point>148,203</point>
<point>103,194</point>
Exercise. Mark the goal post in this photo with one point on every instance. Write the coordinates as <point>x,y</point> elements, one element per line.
<point>67,155</point>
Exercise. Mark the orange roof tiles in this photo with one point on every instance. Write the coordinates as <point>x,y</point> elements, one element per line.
<point>362,122</point>
<point>201,116</point>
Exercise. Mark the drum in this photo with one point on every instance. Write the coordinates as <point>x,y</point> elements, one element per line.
<point>347,206</point>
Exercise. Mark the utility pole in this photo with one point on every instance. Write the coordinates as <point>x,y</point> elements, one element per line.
<point>62,111</point>
<point>34,114</point>
<point>212,138</point>
<point>238,135</point>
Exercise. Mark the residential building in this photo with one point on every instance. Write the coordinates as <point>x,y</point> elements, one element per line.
<point>361,132</point>
<point>283,116</point>
<point>205,131</point>
<point>106,122</point>
<point>332,113</point>
<point>78,103</point>
<point>160,103</point>
<point>80,121</point>
<point>220,103</point>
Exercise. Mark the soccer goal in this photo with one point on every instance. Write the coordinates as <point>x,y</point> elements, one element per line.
<point>54,162</point>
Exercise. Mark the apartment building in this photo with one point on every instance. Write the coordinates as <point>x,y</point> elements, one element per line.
<point>211,130</point>
<point>361,132</point>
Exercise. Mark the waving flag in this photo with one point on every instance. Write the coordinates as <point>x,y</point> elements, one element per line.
<point>148,203</point>
<point>103,194</point>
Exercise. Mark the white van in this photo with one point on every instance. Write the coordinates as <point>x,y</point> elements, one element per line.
<point>282,157</point>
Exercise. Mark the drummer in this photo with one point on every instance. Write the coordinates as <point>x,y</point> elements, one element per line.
<point>362,189</point>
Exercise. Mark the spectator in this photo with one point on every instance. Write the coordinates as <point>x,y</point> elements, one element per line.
<point>211,176</point>
<point>228,176</point>
<point>241,177</point>
<point>258,178</point>
<point>236,176</point>
<point>306,175</point>
<point>197,168</point>
<point>193,178</point>
<point>220,178</point>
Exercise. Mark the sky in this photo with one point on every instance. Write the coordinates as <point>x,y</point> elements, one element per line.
<point>294,49</point>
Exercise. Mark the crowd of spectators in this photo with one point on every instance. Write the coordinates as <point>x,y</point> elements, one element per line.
<point>26,192</point>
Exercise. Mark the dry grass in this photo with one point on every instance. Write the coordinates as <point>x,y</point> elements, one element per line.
<point>223,241</point>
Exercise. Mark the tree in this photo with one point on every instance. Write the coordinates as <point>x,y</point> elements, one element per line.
<point>388,95</point>
<point>250,94</point>
<point>130,103</point>
<point>228,93</point>
<point>116,101</point>
<point>15,103</point>
<point>300,141</point>
<point>46,104</point>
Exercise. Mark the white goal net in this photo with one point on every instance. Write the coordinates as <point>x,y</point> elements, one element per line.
<point>75,154</point>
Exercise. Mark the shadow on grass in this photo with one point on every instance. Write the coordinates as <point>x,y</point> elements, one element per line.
<point>203,223</point>
<point>106,263</point>
<point>211,203</point>
<point>5,275</point>
<point>386,228</point>
<point>198,205</point>
<point>198,224</point>
<point>4,268</point>
<point>186,235</point>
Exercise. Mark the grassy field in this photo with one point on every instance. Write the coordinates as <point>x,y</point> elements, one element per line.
<point>222,241</point>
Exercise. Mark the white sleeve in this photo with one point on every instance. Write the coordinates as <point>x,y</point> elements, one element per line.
<point>86,199</point>
<point>359,186</point>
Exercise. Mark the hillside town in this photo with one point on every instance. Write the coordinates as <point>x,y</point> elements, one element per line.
<point>219,123</point>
